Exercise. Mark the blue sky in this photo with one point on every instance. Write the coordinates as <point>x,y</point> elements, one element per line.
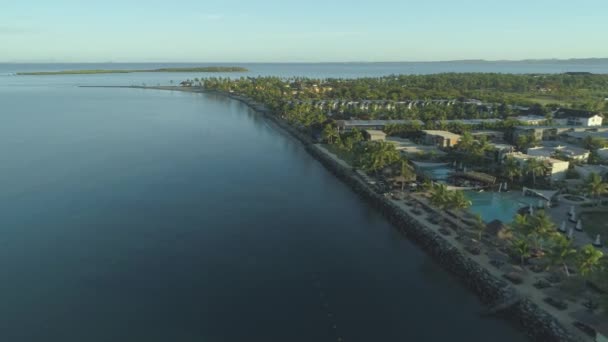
<point>305,31</point>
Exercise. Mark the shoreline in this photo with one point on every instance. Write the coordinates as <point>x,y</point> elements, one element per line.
<point>492,290</point>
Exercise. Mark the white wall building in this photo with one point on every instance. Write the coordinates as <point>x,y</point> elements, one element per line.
<point>575,117</point>
<point>556,169</point>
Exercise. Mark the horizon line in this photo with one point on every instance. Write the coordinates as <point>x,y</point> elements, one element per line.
<point>322,62</point>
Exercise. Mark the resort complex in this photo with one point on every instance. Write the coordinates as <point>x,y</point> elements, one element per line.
<point>515,187</point>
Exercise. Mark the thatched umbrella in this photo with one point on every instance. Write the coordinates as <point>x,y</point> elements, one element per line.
<point>598,241</point>
<point>579,225</point>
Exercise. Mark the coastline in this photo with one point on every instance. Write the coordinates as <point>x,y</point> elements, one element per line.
<point>492,290</point>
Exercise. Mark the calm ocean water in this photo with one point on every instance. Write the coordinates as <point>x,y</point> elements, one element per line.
<point>133,215</point>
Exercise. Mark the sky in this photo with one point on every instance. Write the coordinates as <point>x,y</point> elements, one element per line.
<point>300,31</point>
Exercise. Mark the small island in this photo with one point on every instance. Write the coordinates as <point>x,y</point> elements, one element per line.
<point>214,69</point>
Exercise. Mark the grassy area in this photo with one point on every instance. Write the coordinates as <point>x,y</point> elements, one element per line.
<point>101,71</point>
<point>596,223</point>
<point>546,100</point>
<point>344,155</point>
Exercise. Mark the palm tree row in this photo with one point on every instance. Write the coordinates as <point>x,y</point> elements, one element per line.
<point>538,231</point>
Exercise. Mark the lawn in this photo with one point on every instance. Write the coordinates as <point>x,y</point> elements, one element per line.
<point>344,155</point>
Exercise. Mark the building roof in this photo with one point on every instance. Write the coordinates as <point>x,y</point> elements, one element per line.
<point>364,123</point>
<point>471,121</point>
<point>567,112</point>
<point>502,147</point>
<point>409,147</point>
<point>525,118</point>
<point>524,157</point>
<point>375,132</point>
<point>444,134</point>
<point>548,151</point>
<point>486,132</point>
<point>583,135</point>
<point>599,169</point>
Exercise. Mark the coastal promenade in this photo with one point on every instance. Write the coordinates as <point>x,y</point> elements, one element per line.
<point>417,219</point>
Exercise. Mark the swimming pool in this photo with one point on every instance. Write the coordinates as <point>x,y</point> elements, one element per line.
<point>498,205</point>
<point>437,173</point>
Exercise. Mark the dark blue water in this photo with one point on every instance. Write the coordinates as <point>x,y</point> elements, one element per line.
<point>133,215</point>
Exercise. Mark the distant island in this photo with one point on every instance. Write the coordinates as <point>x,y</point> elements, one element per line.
<point>126,71</point>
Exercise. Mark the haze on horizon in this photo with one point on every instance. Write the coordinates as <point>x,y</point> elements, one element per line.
<point>303,31</point>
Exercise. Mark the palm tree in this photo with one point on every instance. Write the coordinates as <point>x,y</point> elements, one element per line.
<point>457,200</point>
<point>561,252</point>
<point>596,186</point>
<point>479,226</point>
<point>440,196</point>
<point>376,155</point>
<point>521,225</point>
<point>588,259</point>
<point>522,249</point>
<point>330,133</point>
<point>406,173</point>
<point>511,168</point>
<point>541,226</point>
<point>536,168</point>
<point>466,142</point>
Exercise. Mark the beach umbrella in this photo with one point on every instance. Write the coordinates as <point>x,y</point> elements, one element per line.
<point>548,204</point>
<point>530,210</point>
<point>562,227</point>
<point>579,226</point>
<point>573,217</point>
<point>598,241</point>
<point>571,212</point>
<point>505,189</point>
<point>570,234</point>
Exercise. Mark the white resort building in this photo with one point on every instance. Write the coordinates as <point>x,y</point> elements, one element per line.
<point>556,169</point>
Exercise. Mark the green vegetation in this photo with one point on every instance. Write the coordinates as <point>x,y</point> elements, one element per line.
<point>445,199</point>
<point>596,186</point>
<point>118,71</point>
<point>511,168</point>
<point>536,235</point>
<point>432,97</point>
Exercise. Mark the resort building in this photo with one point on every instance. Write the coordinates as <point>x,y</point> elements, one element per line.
<point>499,151</point>
<point>556,169</point>
<point>375,135</point>
<point>575,117</point>
<point>602,153</point>
<point>533,120</point>
<point>553,132</point>
<point>348,125</point>
<point>560,151</point>
<point>585,170</point>
<point>441,139</point>
<point>579,137</point>
<point>469,122</point>
<point>490,135</point>
<point>540,132</point>
<point>412,150</point>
